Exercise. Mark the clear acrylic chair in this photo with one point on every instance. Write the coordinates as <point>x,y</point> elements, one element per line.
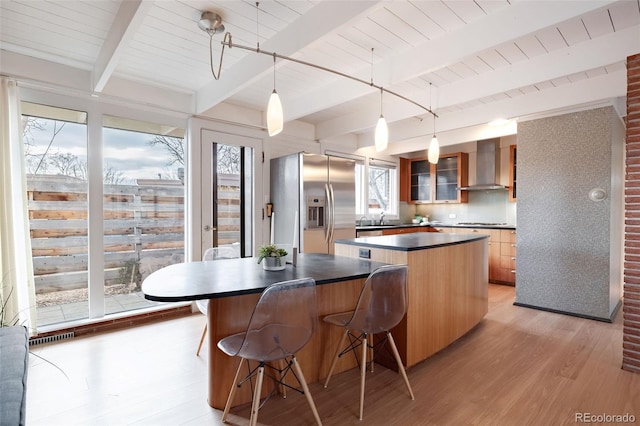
<point>380,307</point>
<point>213,253</point>
<point>281,324</point>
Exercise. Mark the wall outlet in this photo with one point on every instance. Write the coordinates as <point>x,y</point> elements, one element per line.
<point>452,215</point>
<point>364,253</point>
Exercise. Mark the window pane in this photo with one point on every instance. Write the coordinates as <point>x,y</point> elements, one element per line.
<point>55,142</point>
<point>143,209</point>
<point>379,189</point>
<point>228,196</point>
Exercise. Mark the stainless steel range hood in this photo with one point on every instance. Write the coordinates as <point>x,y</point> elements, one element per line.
<point>487,166</point>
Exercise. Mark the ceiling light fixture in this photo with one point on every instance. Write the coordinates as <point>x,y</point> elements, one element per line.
<point>434,146</point>
<point>382,131</point>
<point>275,116</point>
<point>211,23</point>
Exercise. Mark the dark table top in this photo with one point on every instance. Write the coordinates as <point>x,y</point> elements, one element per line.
<point>414,241</point>
<point>233,277</point>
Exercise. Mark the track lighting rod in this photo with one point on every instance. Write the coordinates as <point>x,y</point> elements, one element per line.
<point>229,43</point>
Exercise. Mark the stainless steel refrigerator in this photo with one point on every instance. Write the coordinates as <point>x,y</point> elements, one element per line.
<point>321,190</point>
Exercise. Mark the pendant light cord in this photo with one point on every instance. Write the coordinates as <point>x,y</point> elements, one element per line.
<point>257,26</point>
<point>434,116</point>
<point>226,42</point>
<point>372,85</point>
<point>274,72</point>
<point>372,66</point>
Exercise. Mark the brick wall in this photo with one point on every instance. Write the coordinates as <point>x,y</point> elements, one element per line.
<point>631,307</point>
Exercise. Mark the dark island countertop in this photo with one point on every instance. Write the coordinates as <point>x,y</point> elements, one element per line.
<point>234,277</point>
<point>415,241</point>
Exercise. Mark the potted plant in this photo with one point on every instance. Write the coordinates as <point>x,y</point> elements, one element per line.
<point>272,256</point>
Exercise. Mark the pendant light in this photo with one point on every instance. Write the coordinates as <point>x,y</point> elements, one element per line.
<point>211,23</point>
<point>382,130</point>
<point>275,117</point>
<point>434,146</point>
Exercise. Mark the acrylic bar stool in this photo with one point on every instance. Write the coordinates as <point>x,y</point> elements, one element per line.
<point>380,307</point>
<point>281,324</point>
<point>212,253</point>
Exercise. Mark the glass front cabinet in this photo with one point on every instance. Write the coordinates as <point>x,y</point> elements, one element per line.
<point>439,183</point>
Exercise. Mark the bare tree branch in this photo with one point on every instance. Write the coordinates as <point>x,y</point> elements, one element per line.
<point>56,130</point>
<point>174,147</point>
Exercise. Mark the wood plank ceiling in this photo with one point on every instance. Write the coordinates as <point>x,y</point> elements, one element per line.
<point>484,58</point>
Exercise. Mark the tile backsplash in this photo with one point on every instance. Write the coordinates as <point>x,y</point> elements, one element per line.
<point>483,206</point>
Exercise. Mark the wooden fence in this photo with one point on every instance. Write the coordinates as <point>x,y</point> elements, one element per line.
<point>143,229</point>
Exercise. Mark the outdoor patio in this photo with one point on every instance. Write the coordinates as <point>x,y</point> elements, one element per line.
<point>49,315</point>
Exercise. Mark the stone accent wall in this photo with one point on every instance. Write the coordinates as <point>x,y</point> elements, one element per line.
<point>572,245</point>
<point>631,307</point>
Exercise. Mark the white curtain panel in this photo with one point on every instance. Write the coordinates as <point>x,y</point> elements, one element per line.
<point>17,288</point>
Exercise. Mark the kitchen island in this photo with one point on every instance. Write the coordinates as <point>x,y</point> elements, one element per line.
<point>234,287</point>
<point>447,285</point>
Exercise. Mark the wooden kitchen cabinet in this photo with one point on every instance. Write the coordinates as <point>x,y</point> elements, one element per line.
<point>507,271</point>
<point>494,249</point>
<point>423,182</point>
<point>451,172</point>
<point>502,252</point>
<point>405,178</point>
<point>375,233</point>
<point>396,231</point>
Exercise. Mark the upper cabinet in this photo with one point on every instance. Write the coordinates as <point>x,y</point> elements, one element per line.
<point>421,177</point>
<point>451,173</point>
<point>512,172</point>
<point>423,182</point>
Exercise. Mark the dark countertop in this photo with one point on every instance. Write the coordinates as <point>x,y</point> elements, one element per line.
<point>433,225</point>
<point>414,241</point>
<point>233,277</point>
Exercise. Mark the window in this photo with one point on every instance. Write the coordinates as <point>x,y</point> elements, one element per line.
<point>143,210</point>
<point>55,142</point>
<point>376,188</point>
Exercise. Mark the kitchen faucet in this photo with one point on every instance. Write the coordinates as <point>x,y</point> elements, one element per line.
<point>360,220</point>
<point>381,218</point>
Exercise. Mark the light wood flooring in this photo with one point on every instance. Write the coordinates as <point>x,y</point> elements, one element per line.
<point>518,367</point>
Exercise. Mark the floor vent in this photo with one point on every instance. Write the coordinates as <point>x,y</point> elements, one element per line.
<point>52,338</point>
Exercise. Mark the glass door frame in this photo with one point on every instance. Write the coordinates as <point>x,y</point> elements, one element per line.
<point>209,138</point>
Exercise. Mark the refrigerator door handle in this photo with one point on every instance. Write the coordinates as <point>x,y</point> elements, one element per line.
<point>333,213</point>
<point>327,228</point>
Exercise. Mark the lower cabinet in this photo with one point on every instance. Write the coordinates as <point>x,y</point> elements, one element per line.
<point>507,273</point>
<point>395,231</point>
<point>368,233</point>
<point>502,252</point>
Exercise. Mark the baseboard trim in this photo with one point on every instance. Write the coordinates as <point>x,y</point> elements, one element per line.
<point>118,323</point>
<point>573,314</point>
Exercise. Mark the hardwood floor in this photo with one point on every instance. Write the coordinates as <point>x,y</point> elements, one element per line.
<point>519,366</point>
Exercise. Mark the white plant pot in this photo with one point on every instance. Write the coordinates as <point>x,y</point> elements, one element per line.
<point>272,264</point>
